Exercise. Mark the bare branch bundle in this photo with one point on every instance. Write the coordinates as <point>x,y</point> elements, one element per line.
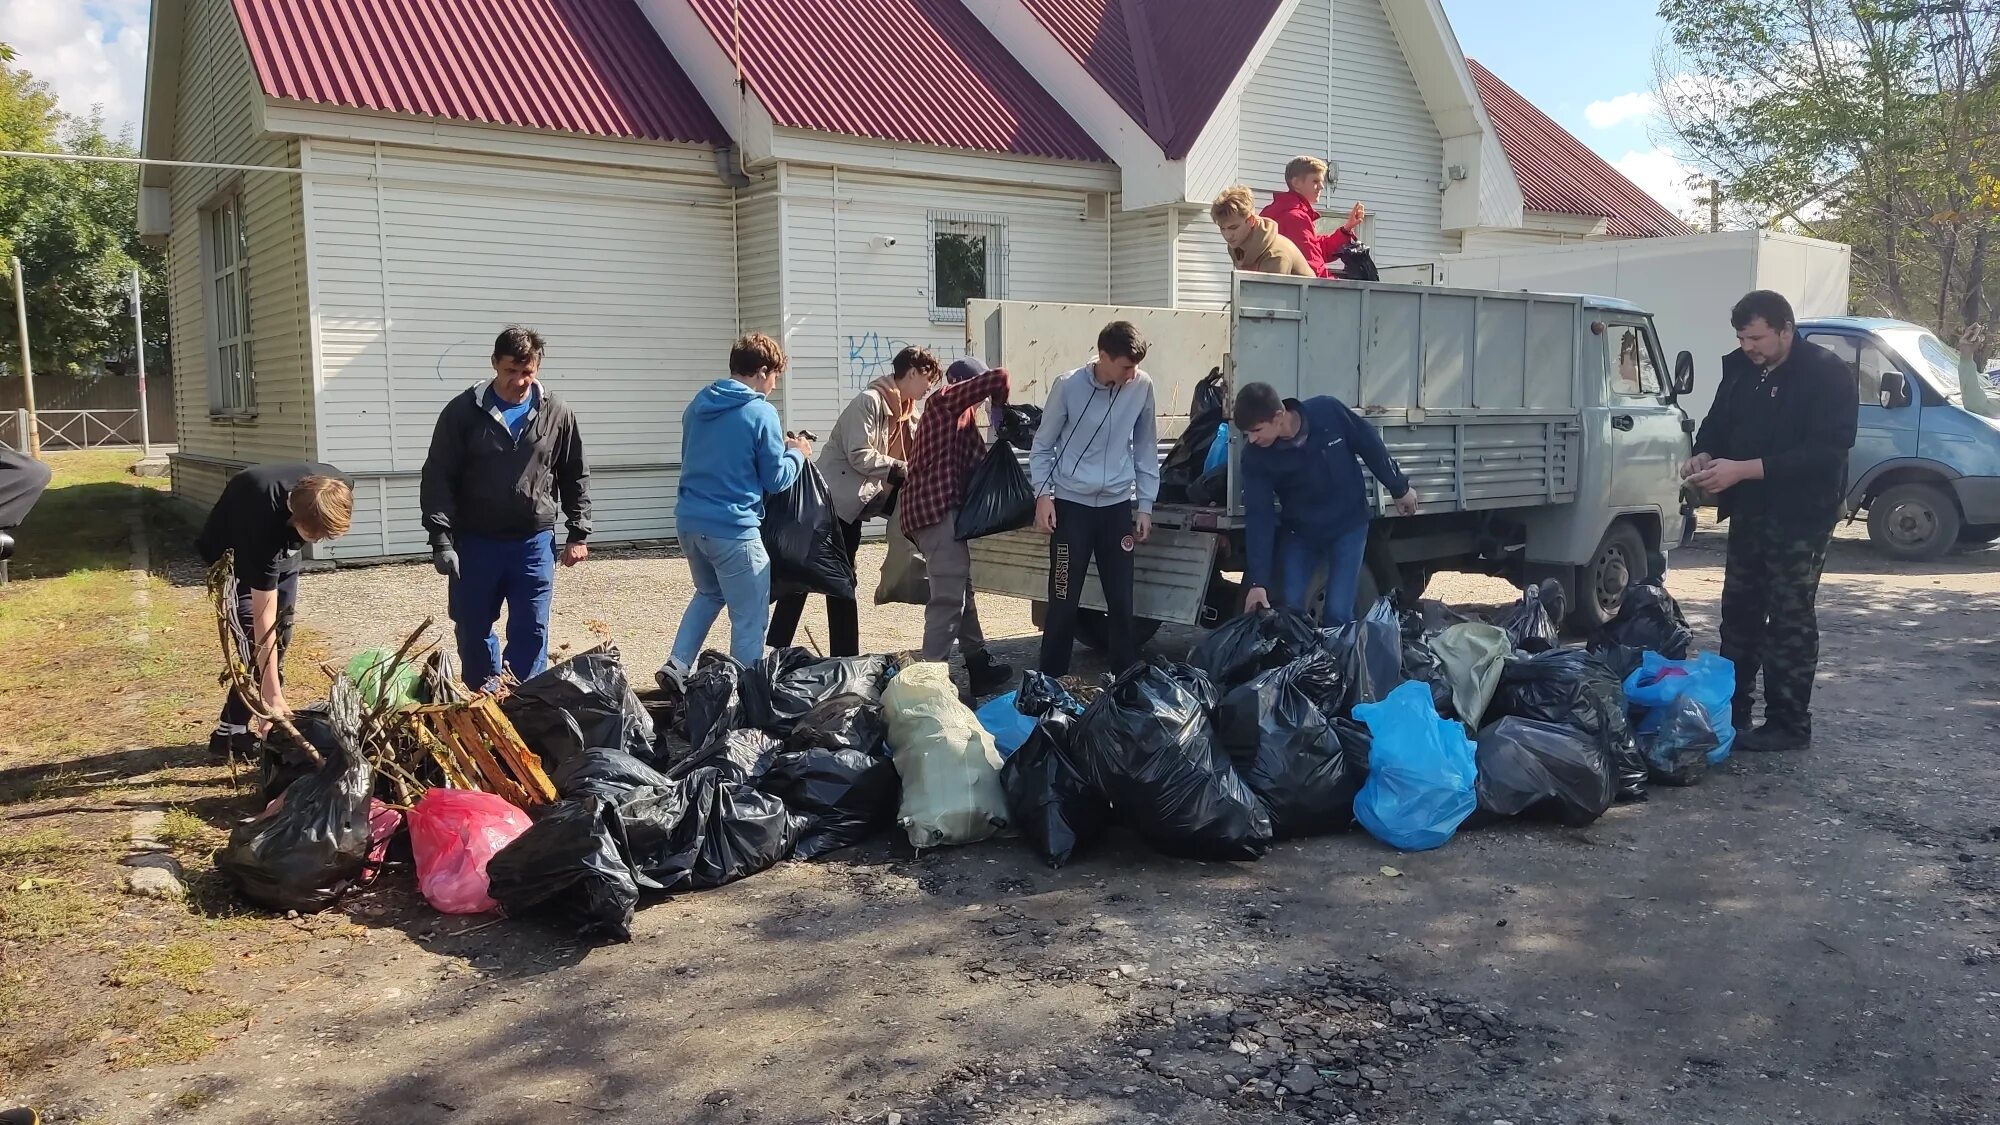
<point>239,655</point>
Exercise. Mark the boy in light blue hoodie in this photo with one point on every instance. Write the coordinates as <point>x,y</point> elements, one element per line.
<point>734,452</point>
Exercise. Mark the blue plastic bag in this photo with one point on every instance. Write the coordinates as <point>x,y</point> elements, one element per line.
<point>1007,725</point>
<point>1708,679</point>
<point>1421,771</point>
<point>1218,454</point>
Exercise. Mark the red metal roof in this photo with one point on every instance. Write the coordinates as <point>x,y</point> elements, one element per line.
<point>922,71</point>
<point>1167,63</point>
<point>573,66</point>
<point>1559,174</point>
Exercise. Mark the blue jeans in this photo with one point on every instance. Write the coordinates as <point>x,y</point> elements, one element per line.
<point>520,573</point>
<point>1300,561</point>
<point>728,573</point>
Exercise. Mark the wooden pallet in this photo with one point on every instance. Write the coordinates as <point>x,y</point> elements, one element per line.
<point>477,748</point>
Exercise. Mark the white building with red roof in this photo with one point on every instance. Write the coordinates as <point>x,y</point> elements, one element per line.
<point>642,180</point>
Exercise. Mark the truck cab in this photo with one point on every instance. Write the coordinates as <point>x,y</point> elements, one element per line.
<point>1924,469</point>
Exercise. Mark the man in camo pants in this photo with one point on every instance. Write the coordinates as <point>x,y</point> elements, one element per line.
<point>1773,451</point>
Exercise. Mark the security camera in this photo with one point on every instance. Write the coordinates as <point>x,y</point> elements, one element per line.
<point>884,241</point>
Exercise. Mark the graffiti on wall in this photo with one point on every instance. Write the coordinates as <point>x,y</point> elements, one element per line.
<point>872,355</point>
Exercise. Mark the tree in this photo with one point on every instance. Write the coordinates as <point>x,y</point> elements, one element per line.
<point>72,225</point>
<point>1871,122</point>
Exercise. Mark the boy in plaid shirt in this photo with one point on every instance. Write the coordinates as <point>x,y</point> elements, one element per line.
<point>948,447</point>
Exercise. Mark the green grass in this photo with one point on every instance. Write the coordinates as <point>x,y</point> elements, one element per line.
<point>185,831</point>
<point>182,964</point>
<point>179,1037</point>
<point>40,909</point>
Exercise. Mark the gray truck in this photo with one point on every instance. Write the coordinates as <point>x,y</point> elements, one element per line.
<point>1540,430</point>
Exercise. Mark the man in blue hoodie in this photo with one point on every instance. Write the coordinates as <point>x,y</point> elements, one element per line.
<point>734,452</point>
<point>1304,503</point>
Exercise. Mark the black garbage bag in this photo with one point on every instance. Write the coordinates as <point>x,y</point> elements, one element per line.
<point>706,831</point>
<point>844,795</point>
<point>570,864</point>
<point>1536,768</point>
<point>1420,663</point>
<point>1189,455</point>
<point>1210,489</point>
<point>803,540</point>
<point>1240,650</point>
<point>1429,617</point>
<point>1568,687</point>
<point>714,699</point>
<point>843,722</point>
<point>998,497</point>
<point>741,756</point>
<point>1018,423</point>
<point>1288,753</point>
<point>1528,622</point>
<point>1147,745</point>
<point>281,761</point>
<point>310,846</point>
<point>603,772</point>
<point>585,701</point>
<point>1041,696</point>
<point>1677,753</point>
<point>789,682</point>
<point>1049,801</point>
<point>1620,660</point>
<point>1368,656</point>
<point>1649,619</point>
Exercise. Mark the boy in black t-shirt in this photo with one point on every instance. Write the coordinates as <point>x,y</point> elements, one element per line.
<point>266,514</point>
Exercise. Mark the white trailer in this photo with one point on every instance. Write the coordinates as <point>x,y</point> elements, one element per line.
<point>1687,283</point>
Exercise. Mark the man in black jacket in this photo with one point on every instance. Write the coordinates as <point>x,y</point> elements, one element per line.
<point>1773,450</point>
<point>503,454</point>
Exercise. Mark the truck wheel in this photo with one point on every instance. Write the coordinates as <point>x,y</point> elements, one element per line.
<point>1618,562</point>
<point>1914,521</point>
<point>1093,628</point>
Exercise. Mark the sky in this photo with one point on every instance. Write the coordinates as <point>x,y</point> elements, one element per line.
<point>1586,63</point>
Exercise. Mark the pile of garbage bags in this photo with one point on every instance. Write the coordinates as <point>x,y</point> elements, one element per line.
<point>1411,723</point>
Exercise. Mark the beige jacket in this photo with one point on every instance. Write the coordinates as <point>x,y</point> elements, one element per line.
<point>1267,251</point>
<point>873,436</point>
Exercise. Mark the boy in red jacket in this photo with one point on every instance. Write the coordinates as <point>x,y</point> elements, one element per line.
<point>1297,215</point>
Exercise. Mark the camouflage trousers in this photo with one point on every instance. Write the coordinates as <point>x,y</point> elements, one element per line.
<point>1769,619</point>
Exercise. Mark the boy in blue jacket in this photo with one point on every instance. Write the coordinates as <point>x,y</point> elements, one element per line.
<point>734,452</point>
<point>1302,478</point>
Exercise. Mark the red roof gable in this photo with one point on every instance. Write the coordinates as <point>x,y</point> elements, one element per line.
<point>921,71</point>
<point>1167,63</point>
<point>573,66</point>
<point>1560,175</point>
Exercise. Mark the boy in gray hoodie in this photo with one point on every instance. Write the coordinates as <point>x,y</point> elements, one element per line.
<point>1096,471</point>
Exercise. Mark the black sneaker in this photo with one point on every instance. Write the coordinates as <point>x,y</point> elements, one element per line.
<point>22,1116</point>
<point>223,745</point>
<point>987,674</point>
<point>1771,739</point>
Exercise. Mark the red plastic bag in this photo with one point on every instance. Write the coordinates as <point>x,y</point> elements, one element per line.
<point>454,832</point>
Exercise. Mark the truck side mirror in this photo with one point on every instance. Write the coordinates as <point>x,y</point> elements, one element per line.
<point>1683,374</point>
<point>1895,389</point>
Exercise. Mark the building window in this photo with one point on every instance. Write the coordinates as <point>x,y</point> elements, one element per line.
<point>968,260</point>
<point>225,256</point>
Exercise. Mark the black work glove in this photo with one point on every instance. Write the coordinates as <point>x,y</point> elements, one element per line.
<point>445,560</point>
<point>897,475</point>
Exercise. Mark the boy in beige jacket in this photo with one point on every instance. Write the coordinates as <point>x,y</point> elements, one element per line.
<point>864,462</point>
<point>1254,242</point>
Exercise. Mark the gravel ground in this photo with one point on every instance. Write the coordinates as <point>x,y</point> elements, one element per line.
<point>1801,938</point>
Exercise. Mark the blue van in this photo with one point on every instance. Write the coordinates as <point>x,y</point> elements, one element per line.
<point>1926,471</point>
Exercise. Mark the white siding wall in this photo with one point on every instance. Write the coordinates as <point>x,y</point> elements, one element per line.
<point>1141,258</point>
<point>419,257</point>
<point>215,121</point>
<point>1201,261</point>
<point>1477,241</point>
<point>1336,85</point>
<point>1212,163</point>
<point>853,303</point>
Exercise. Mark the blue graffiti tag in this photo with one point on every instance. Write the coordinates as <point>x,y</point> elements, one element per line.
<point>872,355</point>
